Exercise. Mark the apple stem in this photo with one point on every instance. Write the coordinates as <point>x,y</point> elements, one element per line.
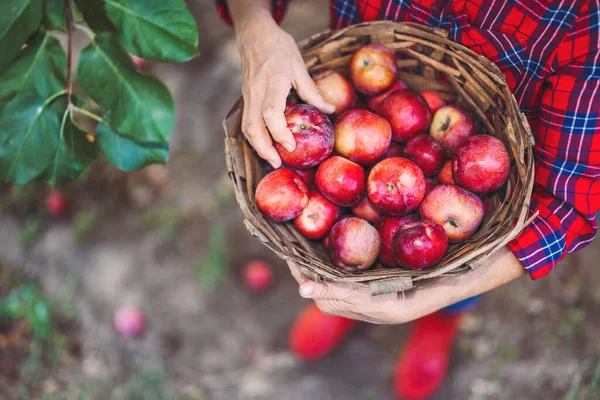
<point>453,222</point>
<point>446,124</point>
<point>390,187</point>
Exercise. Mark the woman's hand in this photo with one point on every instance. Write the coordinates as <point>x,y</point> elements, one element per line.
<point>271,66</point>
<point>356,302</point>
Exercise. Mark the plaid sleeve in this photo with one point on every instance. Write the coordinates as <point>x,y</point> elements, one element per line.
<point>567,189</point>
<point>279,8</point>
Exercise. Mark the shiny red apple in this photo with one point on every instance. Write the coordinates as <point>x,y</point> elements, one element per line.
<point>445,175</point>
<point>373,69</point>
<point>336,89</point>
<point>460,212</point>
<point>341,181</point>
<point>481,165</point>
<point>419,245</point>
<point>426,152</point>
<point>387,228</point>
<point>313,133</point>
<point>281,195</point>
<point>396,186</point>
<point>452,126</point>
<point>366,211</point>
<point>408,114</point>
<point>433,99</point>
<point>353,244</point>
<point>361,136</point>
<point>317,218</point>
<point>375,102</point>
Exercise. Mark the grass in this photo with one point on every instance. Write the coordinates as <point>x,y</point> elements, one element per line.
<point>212,267</point>
<point>83,224</point>
<point>585,389</point>
<point>166,218</point>
<point>571,323</point>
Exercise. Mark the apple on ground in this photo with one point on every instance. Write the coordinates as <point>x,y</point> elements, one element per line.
<point>426,152</point>
<point>408,114</point>
<point>452,126</point>
<point>336,89</point>
<point>433,99</point>
<point>57,203</point>
<point>258,276</point>
<point>361,136</point>
<point>396,186</point>
<point>375,102</point>
<point>445,176</point>
<point>481,165</point>
<point>460,212</point>
<point>281,195</point>
<point>373,69</point>
<point>387,228</point>
<point>313,133</point>
<point>341,181</point>
<point>317,218</point>
<point>129,322</point>
<point>366,211</point>
<point>353,244</point>
<point>419,245</point>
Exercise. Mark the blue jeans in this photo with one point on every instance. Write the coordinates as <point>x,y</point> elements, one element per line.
<point>462,306</point>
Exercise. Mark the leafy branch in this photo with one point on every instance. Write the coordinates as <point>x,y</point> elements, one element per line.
<point>37,105</point>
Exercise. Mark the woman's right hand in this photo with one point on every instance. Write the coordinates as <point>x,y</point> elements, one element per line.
<point>271,66</point>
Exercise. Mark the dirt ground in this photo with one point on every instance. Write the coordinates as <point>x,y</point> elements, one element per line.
<point>145,243</point>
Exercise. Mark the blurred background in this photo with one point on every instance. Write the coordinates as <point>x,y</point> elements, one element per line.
<point>170,241</point>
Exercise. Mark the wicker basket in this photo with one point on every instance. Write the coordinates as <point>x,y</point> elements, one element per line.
<point>426,58</point>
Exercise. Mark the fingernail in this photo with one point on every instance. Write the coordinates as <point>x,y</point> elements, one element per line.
<point>306,290</point>
<point>289,146</point>
<point>275,164</point>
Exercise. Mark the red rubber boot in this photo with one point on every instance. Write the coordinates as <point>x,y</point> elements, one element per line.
<point>315,334</point>
<point>423,363</point>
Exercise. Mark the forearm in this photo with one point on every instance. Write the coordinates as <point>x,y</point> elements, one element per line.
<point>502,267</point>
<point>243,11</point>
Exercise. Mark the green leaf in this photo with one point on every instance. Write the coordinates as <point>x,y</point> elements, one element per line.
<point>127,154</point>
<point>72,156</point>
<point>136,105</point>
<point>56,14</point>
<point>19,19</point>
<point>40,67</point>
<point>161,30</point>
<point>94,13</point>
<point>29,136</point>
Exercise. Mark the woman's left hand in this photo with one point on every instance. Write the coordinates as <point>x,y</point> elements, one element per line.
<point>356,302</point>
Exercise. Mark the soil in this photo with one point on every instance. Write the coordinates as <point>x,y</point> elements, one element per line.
<point>208,337</point>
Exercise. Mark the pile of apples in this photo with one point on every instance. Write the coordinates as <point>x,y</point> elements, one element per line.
<point>397,180</point>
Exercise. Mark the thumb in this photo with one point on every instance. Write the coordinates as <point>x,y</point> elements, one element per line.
<point>317,290</point>
<point>309,92</point>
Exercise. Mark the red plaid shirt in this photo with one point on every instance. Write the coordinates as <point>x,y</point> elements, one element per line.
<point>549,51</point>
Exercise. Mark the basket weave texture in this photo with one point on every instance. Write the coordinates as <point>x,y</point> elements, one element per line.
<point>427,60</point>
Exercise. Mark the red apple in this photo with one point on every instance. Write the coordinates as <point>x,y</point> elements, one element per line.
<point>445,176</point>
<point>326,242</point>
<point>308,175</point>
<point>341,181</point>
<point>258,276</point>
<point>426,152</point>
<point>281,195</point>
<point>396,150</point>
<point>396,186</point>
<point>458,211</point>
<point>129,322</point>
<point>318,216</point>
<point>419,245</point>
<point>375,102</point>
<point>313,133</point>
<point>452,126</point>
<point>407,112</point>
<point>481,165</point>
<point>373,69</point>
<point>336,89</point>
<point>387,228</point>
<point>430,184</point>
<point>433,99</point>
<point>361,136</point>
<point>353,244</point>
<point>366,211</point>
<point>57,203</point>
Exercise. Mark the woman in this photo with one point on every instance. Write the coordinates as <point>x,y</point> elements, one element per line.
<point>549,52</point>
